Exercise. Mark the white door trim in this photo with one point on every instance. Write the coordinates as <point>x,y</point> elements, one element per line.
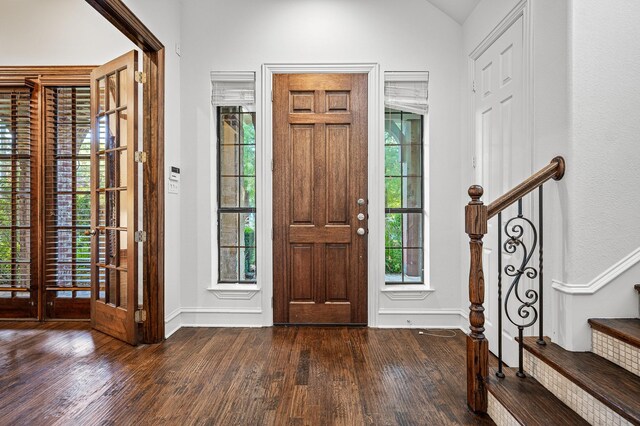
<point>522,9</point>
<point>264,154</point>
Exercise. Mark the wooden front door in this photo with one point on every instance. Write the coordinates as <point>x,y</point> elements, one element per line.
<point>320,198</point>
<point>114,193</point>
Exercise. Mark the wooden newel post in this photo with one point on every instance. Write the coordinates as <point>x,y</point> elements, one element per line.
<point>477,345</point>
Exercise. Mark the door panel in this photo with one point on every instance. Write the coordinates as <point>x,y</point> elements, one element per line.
<point>114,195</point>
<point>19,198</point>
<point>503,152</point>
<point>67,194</point>
<point>320,169</point>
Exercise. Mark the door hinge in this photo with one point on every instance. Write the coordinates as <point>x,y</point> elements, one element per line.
<point>473,86</point>
<point>140,77</point>
<point>272,302</point>
<point>271,234</point>
<point>140,236</point>
<point>272,96</point>
<point>140,315</point>
<point>140,156</point>
<point>473,162</point>
<point>271,165</point>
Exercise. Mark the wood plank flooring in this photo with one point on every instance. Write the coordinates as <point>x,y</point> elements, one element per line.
<point>64,373</point>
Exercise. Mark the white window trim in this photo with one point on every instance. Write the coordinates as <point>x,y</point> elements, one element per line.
<point>234,291</point>
<point>417,291</point>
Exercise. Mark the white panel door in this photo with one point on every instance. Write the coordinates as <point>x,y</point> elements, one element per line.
<point>503,159</point>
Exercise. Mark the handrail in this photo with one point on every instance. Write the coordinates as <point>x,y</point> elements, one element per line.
<point>554,170</point>
<point>477,216</point>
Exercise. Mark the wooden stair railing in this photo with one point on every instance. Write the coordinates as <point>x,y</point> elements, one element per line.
<point>477,215</point>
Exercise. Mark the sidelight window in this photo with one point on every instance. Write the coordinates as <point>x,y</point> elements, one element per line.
<point>236,195</point>
<point>233,98</point>
<point>403,198</point>
<point>405,109</point>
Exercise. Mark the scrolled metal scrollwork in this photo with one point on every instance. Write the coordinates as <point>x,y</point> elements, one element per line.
<point>515,231</point>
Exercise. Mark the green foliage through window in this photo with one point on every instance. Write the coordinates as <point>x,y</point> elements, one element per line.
<point>404,217</point>
<point>236,195</point>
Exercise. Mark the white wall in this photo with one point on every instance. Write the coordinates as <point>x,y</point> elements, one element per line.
<point>62,32</point>
<point>73,33</point>
<point>586,104</point>
<point>241,36</point>
<point>162,17</point>
<point>604,97</point>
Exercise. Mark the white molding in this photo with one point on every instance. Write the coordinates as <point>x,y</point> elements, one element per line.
<point>265,193</point>
<point>172,323</point>
<point>221,317</point>
<point>407,292</point>
<point>248,76</point>
<point>505,23</point>
<point>601,280</point>
<point>234,291</point>
<point>172,315</point>
<point>199,310</point>
<point>422,318</point>
<point>406,76</point>
<point>385,311</point>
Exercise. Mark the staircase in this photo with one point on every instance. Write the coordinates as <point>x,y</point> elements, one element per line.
<point>550,386</point>
<point>601,387</point>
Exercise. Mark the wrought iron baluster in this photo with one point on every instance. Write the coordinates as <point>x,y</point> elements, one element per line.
<point>520,207</point>
<point>500,373</point>
<point>540,255</point>
<point>527,312</point>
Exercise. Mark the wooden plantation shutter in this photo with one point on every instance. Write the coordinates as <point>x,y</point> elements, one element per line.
<point>18,202</point>
<point>67,215</point>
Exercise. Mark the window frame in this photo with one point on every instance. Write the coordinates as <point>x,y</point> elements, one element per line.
<point>234,210</point>
<point>421,210</point>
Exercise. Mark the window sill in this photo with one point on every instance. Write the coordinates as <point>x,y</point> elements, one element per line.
<point>407,291</point>
<point>234,291</point>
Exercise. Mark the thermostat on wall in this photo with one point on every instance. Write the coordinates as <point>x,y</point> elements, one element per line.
<point>174,180</point>
<point>175,174</point>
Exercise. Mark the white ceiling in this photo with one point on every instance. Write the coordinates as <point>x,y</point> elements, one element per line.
<point>457,9</point>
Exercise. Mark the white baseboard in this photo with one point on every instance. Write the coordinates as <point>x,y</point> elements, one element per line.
<point>387,318</point>
<point>172,323</point>
<point>422,318</point>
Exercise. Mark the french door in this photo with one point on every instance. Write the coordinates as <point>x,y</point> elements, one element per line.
<point>114,198</point>
<point>320,198</point>
<point>18,200</point>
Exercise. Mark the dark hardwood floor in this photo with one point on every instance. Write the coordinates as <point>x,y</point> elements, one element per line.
<point>64,373</point>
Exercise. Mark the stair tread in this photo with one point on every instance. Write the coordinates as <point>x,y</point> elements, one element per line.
<point>625,329</point>
<point>529,402</point>
<point>609,383</point>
